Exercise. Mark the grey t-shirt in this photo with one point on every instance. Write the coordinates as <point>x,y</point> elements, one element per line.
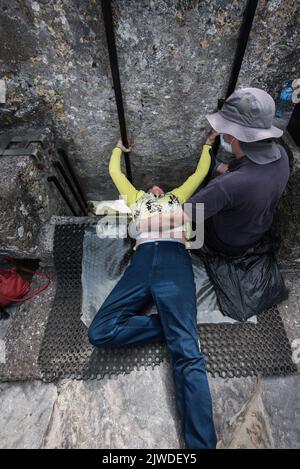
<point>242,202</point>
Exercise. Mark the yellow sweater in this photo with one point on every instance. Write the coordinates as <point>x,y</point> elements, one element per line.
<point>182,193</point>
<point>144,205</point>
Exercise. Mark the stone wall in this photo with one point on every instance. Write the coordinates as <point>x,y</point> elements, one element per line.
<point>27,199</point>
<point>175,59</point>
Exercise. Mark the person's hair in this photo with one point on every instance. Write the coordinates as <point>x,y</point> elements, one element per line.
<point>165,187</point>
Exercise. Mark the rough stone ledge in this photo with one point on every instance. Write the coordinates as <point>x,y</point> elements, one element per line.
<point>138,410</point>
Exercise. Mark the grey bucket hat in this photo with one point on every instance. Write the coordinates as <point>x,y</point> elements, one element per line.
<point>262,152</point>
<point>247,115</point>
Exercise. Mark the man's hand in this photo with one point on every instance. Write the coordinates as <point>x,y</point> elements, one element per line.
<point>120,145</point>
<point>222,168</point>
<point>211,138</point>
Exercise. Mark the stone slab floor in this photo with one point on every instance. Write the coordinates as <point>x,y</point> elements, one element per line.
<point>138,410</point>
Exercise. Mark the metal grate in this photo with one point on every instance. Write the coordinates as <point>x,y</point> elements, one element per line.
<point>231,350</point>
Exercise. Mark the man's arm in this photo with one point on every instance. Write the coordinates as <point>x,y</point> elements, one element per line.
<point>215,197</point>
<point>129,193</point>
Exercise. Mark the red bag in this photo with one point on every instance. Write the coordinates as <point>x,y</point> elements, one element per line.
<point>13,287</point>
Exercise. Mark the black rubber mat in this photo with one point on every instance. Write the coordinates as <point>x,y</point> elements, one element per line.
<point>231,350</point>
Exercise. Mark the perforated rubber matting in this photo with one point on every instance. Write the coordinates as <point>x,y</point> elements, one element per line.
<point>230,350</point>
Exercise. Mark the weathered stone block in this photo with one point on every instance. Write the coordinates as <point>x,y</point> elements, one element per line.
<point>27,199</point>
<point>25,411</point>
<point>175,59</point>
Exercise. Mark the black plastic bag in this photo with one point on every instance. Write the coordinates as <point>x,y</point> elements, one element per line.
<point>249,284</point>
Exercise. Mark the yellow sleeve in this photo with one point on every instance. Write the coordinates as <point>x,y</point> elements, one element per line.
<point>129,193</point>
<point>186,190</point>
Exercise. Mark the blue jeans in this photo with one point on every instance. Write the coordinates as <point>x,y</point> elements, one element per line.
<point>162,271</point>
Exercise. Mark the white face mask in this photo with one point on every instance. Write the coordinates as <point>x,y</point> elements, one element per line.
<point>225,145</point>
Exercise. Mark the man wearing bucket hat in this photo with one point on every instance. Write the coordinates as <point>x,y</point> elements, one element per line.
<point>239,205</point>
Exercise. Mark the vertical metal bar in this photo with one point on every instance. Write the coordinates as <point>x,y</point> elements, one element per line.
<point>113,58</point>
<point>242,41</point>
<point>62,193</point>
<point>61,169</point>
<point>66,161</point>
